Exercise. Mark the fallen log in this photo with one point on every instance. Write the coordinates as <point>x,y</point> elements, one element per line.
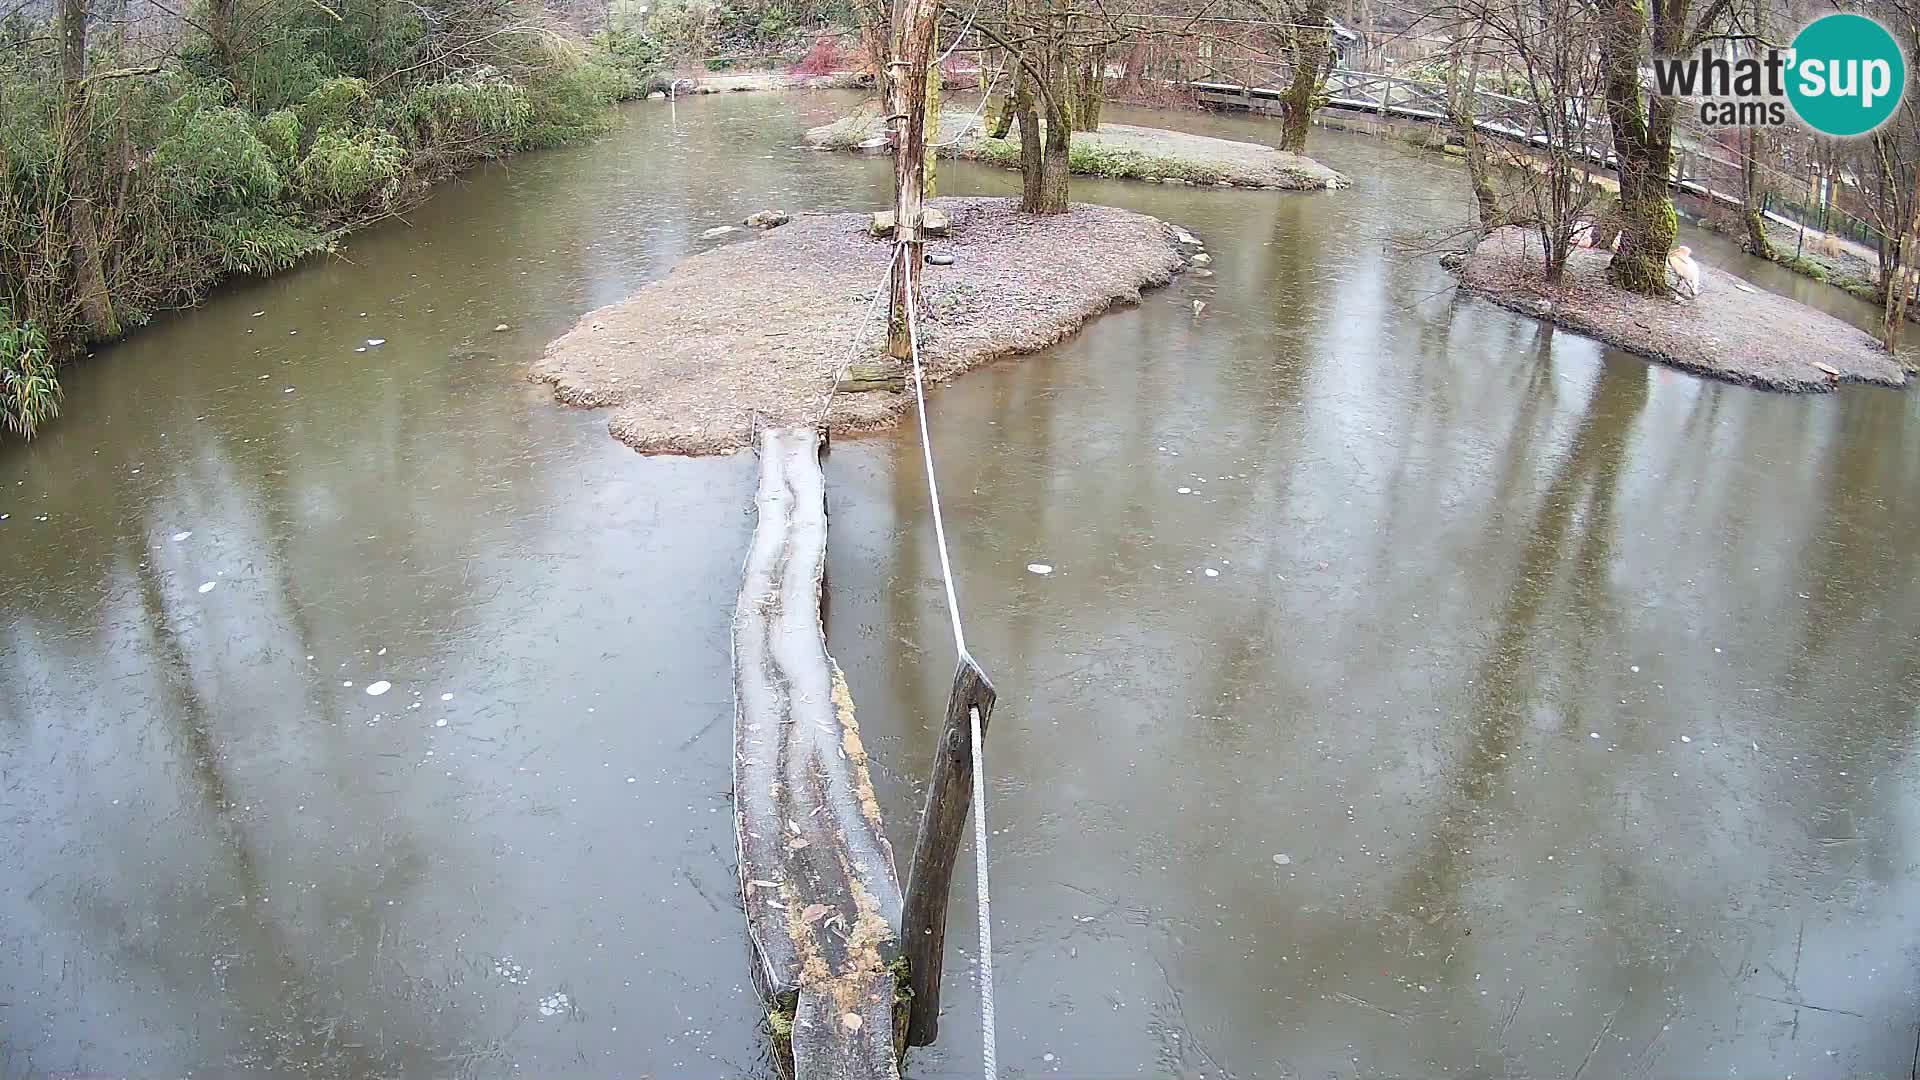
<point>817,877</point>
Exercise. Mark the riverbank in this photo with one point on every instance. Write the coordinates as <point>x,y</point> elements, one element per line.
<point>199,183</point>
<point>1731,332</point>
<point>756,332</point>
<point>1116,151</point>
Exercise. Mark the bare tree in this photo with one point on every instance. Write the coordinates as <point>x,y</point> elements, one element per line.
<point>1546,47</point>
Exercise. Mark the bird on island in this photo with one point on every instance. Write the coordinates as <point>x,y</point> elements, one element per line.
<point>1680,262</point>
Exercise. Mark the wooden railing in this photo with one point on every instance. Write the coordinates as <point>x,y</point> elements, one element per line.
<point>1245,80</point>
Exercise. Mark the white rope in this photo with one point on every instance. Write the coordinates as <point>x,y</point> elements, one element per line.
<point>853,346</point>
<point>982,904</point>
<point>960,37</point>
<point>926,450</point>
<point>980,886</point>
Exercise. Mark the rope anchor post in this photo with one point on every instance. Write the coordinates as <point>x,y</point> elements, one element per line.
<point>959,758</point>
<point>943,825</point>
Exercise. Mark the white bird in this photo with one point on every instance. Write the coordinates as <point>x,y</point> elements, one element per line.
<point>1680,261</point>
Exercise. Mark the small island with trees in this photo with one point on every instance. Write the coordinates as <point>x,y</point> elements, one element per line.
<point>150,154</point>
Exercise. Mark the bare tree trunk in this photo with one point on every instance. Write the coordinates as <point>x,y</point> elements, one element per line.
<point>1133,80</point>
<point>876,39</point>
<point>931,112</point>
<point>1751,197</point>
<point>76,172</point>
<point>1309,58</point>
<point>222,21</point>
<point>1896,280</point>
<point>1896,287</point>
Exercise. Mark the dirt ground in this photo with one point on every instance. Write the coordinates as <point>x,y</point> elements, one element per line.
<point>1754,338</point>
<point>1117,151</point>
<point>756,330</point>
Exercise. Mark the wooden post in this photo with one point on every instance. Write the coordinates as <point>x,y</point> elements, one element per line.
<point>914,23</point>
<point>943,822</point>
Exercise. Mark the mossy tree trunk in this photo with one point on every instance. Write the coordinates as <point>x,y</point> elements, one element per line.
<point>1089,87</point>
<point>1309,55</point>
<point>1643,143</point>
<point>1033,152</point>
<point>1460,106</point>
<point>1000,109</point>
<point>1057,97</point>
<point>1053,173</point>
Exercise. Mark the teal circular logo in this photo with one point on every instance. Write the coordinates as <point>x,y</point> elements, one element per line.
<point>1847,75</point>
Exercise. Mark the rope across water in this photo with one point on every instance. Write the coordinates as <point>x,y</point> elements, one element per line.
<point>982,906</point>
<point>983,903</point>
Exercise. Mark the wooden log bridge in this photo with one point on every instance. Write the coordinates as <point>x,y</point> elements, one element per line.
<point>817,877</point>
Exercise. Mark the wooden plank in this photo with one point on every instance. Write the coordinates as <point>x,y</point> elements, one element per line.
<point>943,823</point>
<point>816,872</point>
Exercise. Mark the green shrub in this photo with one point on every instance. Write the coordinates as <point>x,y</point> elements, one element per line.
<point>337,105</point>
<point>684,27</point>
<point>348,170</point>
<point>261,242</point>
<point>1802,264</point>
<point>635,60</point>
<point>29,390</point>
<point>213,161</point>
<point>464,119</point>
<point>280,131</point>
<point>569,99</point>
<point>286,71</point>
